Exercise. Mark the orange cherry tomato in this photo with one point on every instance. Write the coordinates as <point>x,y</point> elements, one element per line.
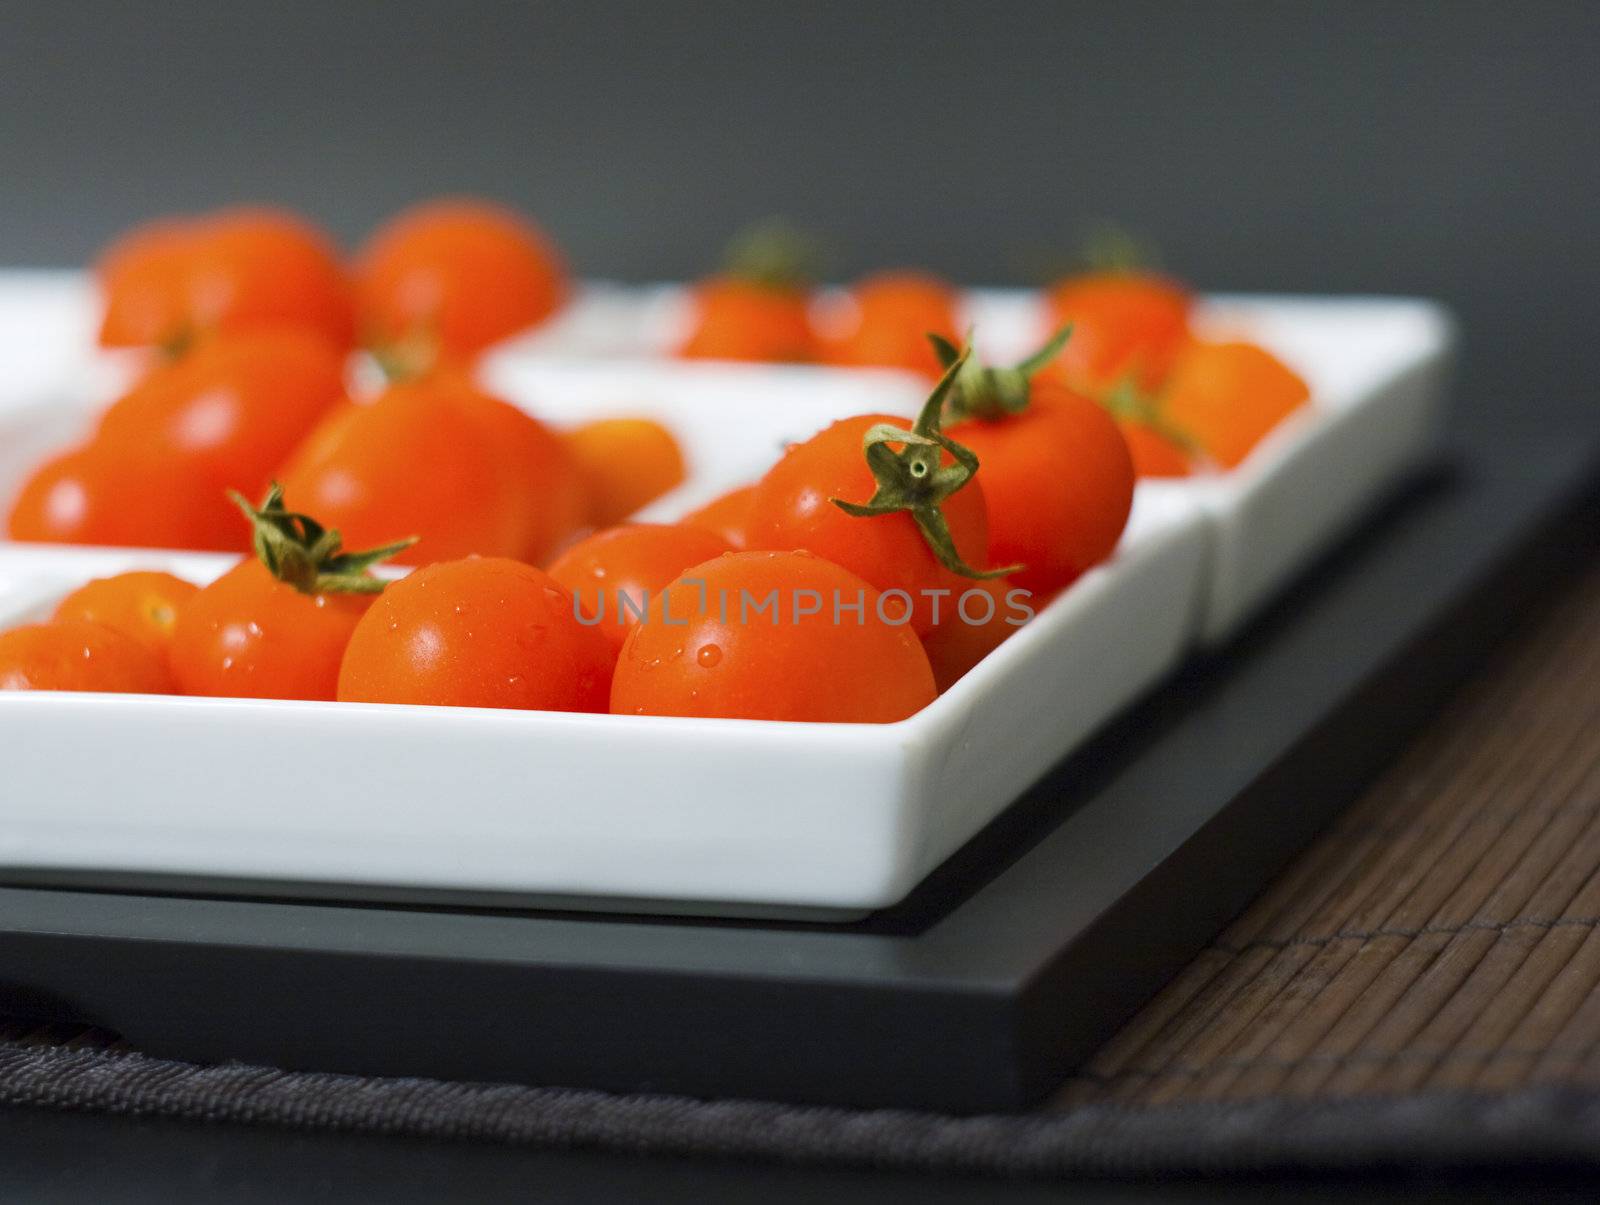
<point>1124,325</point>
<point>233,270</point>
<point>1059,481</point>
<point>420,459</point>
<point>121,497</point>
<point>454,277</point>
<point>232,409</point>
<point>248,635</point>
<point>886,320</point>
<point>725,514</point>
<point>787,662</point>
<point>1154,454</point>
<point>793,508</point>
<point>627,463</point>
<point>1228,396</point>
<point>143,605</point>
<point>76,654</point>
<point>633,563</point>
<point>737,319</point>
<point>975,623</point>
<point>481,632</point>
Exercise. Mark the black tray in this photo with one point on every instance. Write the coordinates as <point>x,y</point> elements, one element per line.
<point>979,992</point>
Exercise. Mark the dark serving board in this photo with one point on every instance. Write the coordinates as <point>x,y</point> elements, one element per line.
<point>982,990</point>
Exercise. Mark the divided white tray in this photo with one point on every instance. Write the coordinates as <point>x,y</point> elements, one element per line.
<point>715,815</point>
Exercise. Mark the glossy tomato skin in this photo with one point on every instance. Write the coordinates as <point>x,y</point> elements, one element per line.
<point>480,632</point>
<point>637,562</point>
<point>142,604</point>
<point>886,319</point>
<point>627,463</point>
<point>463,274</point>
<point>727,515</point>
<point>419,460</point>
<point>122,498</point>
<point>1229,396</point>
<point>249,636</point>
<point>791,509</point>
<point>76,654</point>
<point>1059,480</point>
<point>786,663</point>
<point>971,628</point>
<point>1124,325</point>
<point>233,408</point>
<point>736,319</point>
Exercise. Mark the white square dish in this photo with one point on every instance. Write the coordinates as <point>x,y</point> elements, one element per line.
<point>721,816</point>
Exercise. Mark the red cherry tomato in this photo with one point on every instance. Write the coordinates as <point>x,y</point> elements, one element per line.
<point>143,605</point>
<point>1154,453</point>
<point>788,662</point>
<point>230,271</point>
<point>1059,480</point>
<point>736,319</point>
<point>793,508</point>
<point>627,464</point>
<point>481,632</point>
<point>975,623</point>
<point>886,320</point>
<point>248,635</point>
<point>635,563</point>
<point>727,515</point>
<point>1124,325</point>
<point>75,654</point>
<point>454,277</point>
<point>428,458</point>
<point>124,498</point>
<point>232,409</point>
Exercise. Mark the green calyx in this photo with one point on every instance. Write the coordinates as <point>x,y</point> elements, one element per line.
<point>298,550</point>
<point>983,392</point>
<point>916,480</point>
<point>1109,247</point>
<point>774,254</point>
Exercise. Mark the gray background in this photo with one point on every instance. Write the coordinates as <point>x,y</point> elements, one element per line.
<point>1446,148</point>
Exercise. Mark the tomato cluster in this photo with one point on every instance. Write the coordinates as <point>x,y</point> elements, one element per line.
<point>868,569</point>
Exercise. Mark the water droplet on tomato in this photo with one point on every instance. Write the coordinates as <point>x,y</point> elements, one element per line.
<point>709,656</point>
<point>253,628</point>
<point>319,601</point>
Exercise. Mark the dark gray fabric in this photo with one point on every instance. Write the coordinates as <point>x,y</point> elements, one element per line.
<point>1539,1125</point>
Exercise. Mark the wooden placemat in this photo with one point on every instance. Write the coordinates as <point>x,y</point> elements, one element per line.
<point>1441,936</point>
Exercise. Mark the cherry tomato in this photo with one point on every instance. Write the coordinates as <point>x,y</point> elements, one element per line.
<point>121,497</point>
<point>886,319</point>
<point>1228,396</point>
<point>786,662</point>
<point>232,409</point>
<point>635,562</point>
<point>1124,325</point>
<point>423,458</point>
<point>248,635</point>
<point>75,654</point>
<point>480,632</point>
<point>238,269</point>
<point>1059,481</point>
<point>141,280</point>
<point>275,626</point>
<point>973,624</point>
<point>737,319</point>
<point>726,515</point>
<point>793,508</point>
<point>627,463</point>
<point>143,605</point>
<point>445,280</point>
<point>1154,455</point>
